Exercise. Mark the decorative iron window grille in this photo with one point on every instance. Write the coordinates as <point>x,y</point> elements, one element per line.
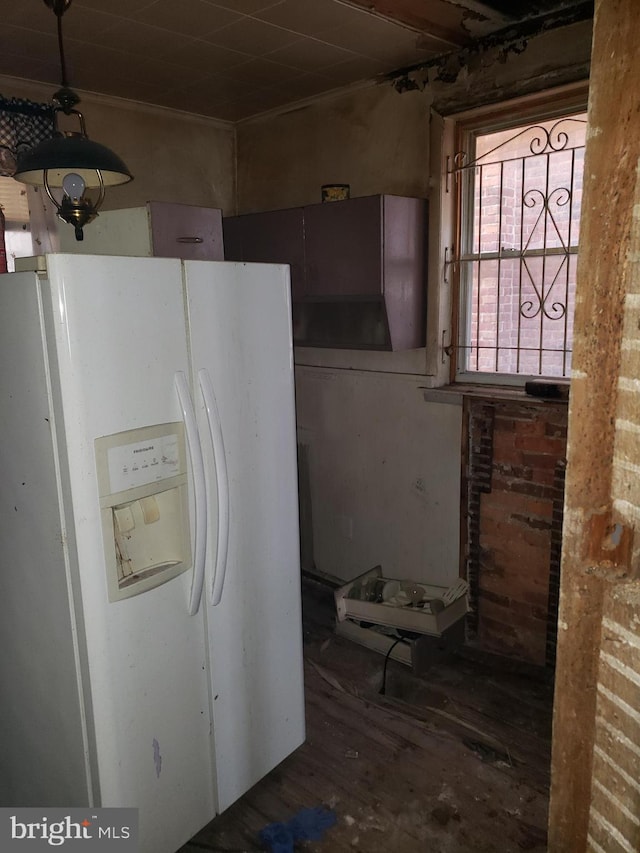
<point>519,193</point>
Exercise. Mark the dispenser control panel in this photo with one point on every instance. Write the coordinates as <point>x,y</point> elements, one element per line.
<point>142,480</point>
<point>143,462</point>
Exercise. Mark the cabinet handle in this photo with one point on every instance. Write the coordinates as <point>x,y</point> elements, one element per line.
<point>189,240</point>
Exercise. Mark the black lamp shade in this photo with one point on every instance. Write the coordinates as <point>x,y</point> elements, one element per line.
<point>71,152</point>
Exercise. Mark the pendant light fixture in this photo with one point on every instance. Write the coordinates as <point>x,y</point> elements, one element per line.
<point>70,160</point>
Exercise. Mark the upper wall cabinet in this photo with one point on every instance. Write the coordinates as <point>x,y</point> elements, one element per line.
<point>273,237</point>
<point>358,268</point>
<point>159,229</point>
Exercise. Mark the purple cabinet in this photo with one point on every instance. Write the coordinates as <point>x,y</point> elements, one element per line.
<point>344,248</point>
<point>186,231</point>
<point>274,237</point>
<point>358,268</point>
<point>160,229</point>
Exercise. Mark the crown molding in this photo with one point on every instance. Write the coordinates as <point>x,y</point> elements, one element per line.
<point>19,87</point>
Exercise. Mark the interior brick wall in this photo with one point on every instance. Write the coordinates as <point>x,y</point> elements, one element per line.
<point>515,487</point>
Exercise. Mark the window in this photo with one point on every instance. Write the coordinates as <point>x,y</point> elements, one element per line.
<point>518,190</point>
<point>17,237</point>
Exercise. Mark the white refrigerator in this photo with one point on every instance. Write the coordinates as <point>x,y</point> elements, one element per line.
<point>150,614</point>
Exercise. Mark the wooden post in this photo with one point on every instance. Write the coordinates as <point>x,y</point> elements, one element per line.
<point>597,543</point>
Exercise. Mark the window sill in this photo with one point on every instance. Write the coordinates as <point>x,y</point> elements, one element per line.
<point>454,394</point>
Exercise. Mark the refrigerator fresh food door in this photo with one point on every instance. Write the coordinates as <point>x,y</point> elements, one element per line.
<point>119,334</point>
<point>240,327</point>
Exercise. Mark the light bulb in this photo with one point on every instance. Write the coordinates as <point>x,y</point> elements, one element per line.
<point>73,186</point>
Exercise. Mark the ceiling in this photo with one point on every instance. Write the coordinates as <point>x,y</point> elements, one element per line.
<point>233,59</point>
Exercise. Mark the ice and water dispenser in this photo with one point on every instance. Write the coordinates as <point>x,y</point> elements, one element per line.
<point>142,480</point>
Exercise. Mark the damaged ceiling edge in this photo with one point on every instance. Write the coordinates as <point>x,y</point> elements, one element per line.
<point>448,67</point>
<point>475,16</point>
<point>496,46</point>
<point>535,83</point>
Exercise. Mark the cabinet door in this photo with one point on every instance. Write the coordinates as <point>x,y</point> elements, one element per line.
<point>344,248</point>
<point>186,231</point>
<point>232,236</point>
<point>273,237</point>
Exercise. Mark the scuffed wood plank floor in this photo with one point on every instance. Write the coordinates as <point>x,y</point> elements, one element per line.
<point>454,761</point>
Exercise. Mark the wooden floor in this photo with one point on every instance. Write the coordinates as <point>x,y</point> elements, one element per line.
<point>454,761</point>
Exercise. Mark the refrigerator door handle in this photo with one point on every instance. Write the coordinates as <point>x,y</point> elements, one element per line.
<point>199,488</point>
<point>222,484</point>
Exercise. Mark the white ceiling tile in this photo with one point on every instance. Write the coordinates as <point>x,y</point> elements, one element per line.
<point>263,72</point>
<point>310,17</point>
<point>114,7</point>
<point>244,7</point>
<point>353,70</point>
<point>252,36</point>
<point>187,17</point>
<point>227,58</point>
<point>127,36</point>
<point>20,41</point>
<point>310,54</point>
<point>203,56</point>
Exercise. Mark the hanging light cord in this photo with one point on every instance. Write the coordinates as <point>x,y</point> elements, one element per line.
<point>65,97</point>
<point>59,10</point>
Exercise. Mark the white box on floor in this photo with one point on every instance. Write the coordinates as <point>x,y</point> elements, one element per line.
<point>410,617</point>
<point>419,652</point>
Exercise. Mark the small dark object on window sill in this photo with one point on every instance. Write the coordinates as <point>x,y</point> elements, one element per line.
<point>547,390</point>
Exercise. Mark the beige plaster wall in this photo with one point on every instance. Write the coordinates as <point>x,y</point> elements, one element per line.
<point>371,138</point>
<point>383,474</point>
<point>383,465</point>
<point>173,156</point>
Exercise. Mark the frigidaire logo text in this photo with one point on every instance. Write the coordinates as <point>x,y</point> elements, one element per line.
<point>57,832</point>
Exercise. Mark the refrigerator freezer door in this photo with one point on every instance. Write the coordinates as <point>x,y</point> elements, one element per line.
<point>239,318</point>
<point>120,337</point>
<point>43,747</point>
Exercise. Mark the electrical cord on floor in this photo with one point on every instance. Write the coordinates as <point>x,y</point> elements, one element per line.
<point>383,689</point>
